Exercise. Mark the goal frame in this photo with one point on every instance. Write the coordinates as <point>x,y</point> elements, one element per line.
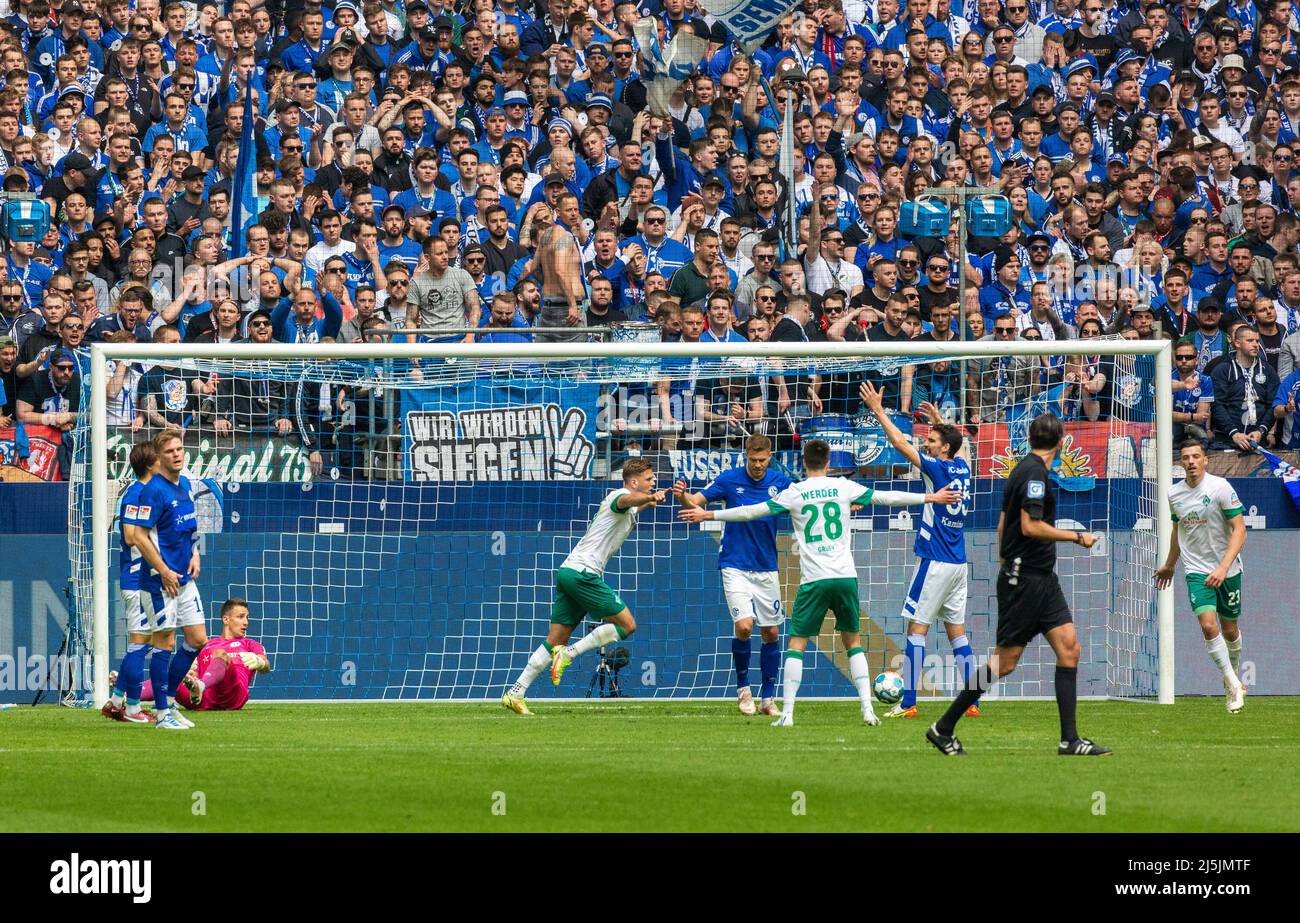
<point>101,353</point>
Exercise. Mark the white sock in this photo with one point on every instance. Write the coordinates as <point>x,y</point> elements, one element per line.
<point>1234,652</point>
<point>133,709</point>
<point>602,634</point>
<point>118,699</point>
<point>538,661</point>
<point>861,674</point>
<point>790,682</point>
<point>1218,651</point>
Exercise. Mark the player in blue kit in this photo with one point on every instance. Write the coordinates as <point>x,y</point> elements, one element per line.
<point>748,565</point>
<point>141,594</point>
<point>938,587</point>
<point>164,532</point>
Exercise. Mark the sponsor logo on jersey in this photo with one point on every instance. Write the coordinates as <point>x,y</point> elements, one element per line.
<point>1035,490</point>
<point>132,511</point>
<point>143,512</point>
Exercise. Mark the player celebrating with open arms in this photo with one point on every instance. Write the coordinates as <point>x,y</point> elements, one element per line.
<point>938,587</point>
<point>1030,600</point>
<point>820,507</point>
<point>748,563</point>
<point>167,517</point>
<point>1210,533</point>
<point>580,589</point>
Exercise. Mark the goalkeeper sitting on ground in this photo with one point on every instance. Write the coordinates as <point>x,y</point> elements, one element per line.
<point>224,671</point>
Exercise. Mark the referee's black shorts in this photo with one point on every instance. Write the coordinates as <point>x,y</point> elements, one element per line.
<point>1029,605</point>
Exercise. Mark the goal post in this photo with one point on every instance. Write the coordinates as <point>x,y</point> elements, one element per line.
<point>322,557</point>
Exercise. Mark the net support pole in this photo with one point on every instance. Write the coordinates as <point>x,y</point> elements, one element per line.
<point>99,523</point>
<point>1164,525</point>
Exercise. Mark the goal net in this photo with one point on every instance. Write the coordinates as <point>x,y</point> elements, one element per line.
<point>394,515</point>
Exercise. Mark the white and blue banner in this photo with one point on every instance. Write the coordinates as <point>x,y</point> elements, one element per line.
<point>666,67</point>
<point>481,431</point>
<point>749,21</point>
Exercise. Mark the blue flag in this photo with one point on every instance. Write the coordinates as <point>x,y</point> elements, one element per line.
<point>1283,469</point>
<point>243,197</point>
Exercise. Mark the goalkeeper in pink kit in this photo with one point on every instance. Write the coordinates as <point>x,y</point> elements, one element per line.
<point>224,671</point>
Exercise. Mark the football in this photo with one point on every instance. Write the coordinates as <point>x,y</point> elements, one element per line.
<point>888,687</point>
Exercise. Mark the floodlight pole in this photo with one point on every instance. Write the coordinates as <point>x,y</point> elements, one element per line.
<point>790,81</point>
<point>961,195</point>
<point>791,209</point>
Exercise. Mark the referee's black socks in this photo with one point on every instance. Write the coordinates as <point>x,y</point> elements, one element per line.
<point>981,681</point>
<point>1067,700</point>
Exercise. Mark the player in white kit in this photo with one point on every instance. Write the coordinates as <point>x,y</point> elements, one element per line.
<point>938,587</point>
<point>820,507</point>
<point>1209,533</point>
<point>580,588</point>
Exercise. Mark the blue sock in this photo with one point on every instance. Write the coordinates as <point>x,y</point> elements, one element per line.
<point>740,653</point>
<point>130,675</point>
<point>159,665</point>
<point>965,658</point>
<point>912,668</point>
<point>181,662</point>
<point>769,659</point>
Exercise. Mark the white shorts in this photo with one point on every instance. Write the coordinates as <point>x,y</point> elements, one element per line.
<point>753,594</point>
<point>182,610</point>
<point>142,606</point>
<point>938,588</point>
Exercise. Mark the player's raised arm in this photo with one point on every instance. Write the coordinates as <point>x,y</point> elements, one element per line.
<point>634,498</point>
<point>871,397</point>
<point>747,513</point>
<point>685,497</point>
<point>906,498</point>
<point>932,415</point>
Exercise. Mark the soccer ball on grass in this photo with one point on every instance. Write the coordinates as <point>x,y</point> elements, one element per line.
<point>888,687</point>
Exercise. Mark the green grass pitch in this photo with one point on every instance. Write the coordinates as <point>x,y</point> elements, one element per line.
<point>653,766</point>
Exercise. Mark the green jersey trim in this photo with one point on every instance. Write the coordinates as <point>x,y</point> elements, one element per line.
<point>776,508</point>
<point>1235,511</point>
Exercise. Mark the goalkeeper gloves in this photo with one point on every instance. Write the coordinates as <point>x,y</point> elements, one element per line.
<point>255,662</point>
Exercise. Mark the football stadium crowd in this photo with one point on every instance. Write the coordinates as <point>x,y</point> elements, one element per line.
<point>412,156</point>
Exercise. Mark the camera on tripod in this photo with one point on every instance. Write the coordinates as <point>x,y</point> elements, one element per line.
<point>606,675</point>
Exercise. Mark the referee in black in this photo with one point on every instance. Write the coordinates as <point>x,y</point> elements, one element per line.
<point>1030,600</point>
